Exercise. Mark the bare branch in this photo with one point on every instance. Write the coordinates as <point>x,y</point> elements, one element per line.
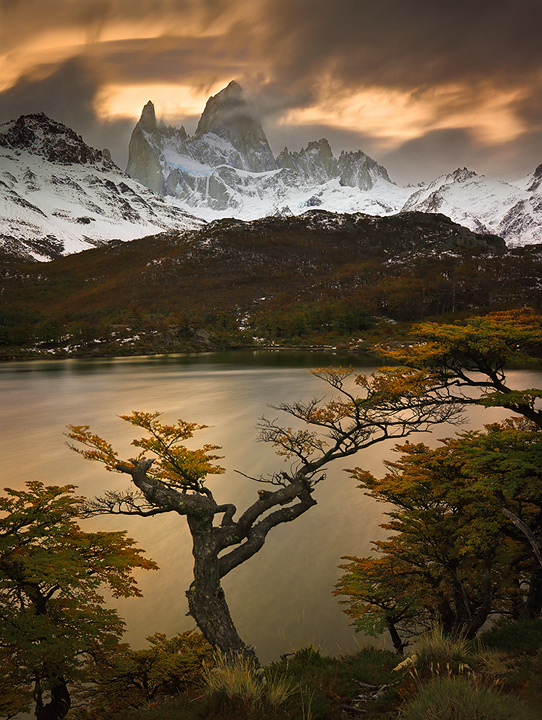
<point>229,511</point>
<point>120,503</point>
<point>525,530</point>
<point>272,480</point>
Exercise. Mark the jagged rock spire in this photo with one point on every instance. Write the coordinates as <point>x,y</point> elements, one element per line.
<point>228,160</point>
<point>147,121</point>
<point>144,158</point>
<point>229,115</point>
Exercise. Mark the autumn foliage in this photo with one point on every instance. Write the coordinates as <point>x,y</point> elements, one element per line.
<point>465,528</point>
<point>52,575</point>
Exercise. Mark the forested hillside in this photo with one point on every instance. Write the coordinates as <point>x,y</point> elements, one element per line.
<point>317,278</point>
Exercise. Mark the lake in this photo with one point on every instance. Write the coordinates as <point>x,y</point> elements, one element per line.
<point>280,599</point>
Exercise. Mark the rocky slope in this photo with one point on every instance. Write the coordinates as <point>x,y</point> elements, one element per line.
<point>60,196</point>
<point>513,211</point>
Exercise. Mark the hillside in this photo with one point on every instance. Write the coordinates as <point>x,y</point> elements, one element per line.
<point>312,278</point>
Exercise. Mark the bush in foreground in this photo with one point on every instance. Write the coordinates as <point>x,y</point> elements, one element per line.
<point>239,681</point>
<point>457,698</point>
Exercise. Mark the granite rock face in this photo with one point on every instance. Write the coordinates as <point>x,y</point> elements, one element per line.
<point>228,163</point>
<point>228,115</point>
<point>227,168</point>
<point>144,159</point>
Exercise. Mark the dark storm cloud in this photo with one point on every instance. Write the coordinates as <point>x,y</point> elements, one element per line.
<point>296,45</point>
<point>434,153</point>
<point>67,95</point>
<point>290,53</point>
<point>29,18</point>
<point>402,44</point>
<point>416,46</point>
<point>442,151</point>
<point>190,61</point>
<point>300,135</point>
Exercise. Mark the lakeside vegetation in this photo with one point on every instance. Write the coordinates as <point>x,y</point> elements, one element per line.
<point>466,548</point>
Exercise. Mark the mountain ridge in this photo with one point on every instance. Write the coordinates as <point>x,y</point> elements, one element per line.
<point>228,165</point>
<point>227,168</point>
<point>59,195</point>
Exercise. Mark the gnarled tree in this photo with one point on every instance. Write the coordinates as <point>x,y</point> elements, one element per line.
<point>393,403</point>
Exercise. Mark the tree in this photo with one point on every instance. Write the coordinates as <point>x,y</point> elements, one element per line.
<point>457,553</point>
<point>53,619</point>
<point>505,463</point>
<point>472,355</point>
<point>126,678</point>
<point>379,598</point>
<point>468,519</point>
<point>394,403</point>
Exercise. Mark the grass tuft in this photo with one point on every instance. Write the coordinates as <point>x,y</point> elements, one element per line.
<point>440,655</point>
<point>457,698</point>
<point>237,679</point>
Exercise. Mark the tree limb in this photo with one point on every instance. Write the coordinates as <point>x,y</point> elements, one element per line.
<point>525,530</point>
<point>258,533</point>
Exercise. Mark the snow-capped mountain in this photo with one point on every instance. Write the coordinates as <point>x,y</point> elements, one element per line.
<point>512,211</point>
<point>59,196</point>
<point>228,168</point>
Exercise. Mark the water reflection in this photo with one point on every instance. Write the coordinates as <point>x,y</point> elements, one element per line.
<point>282,597</point>
<point>226,358</point>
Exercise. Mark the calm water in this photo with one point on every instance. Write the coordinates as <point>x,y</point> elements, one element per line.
<point>280,599</point>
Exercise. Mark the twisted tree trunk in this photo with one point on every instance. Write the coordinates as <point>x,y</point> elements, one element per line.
<point>59,704</point>
<point>206,598</point>
<point>241,539</point>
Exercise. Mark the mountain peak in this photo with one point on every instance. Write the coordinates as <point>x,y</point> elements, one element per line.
<point>39,135</point>
<point>229,115</point>
<point>225,111</point>
<point>320,146</point>
<point>232,88</point>
<point>461,174</point>
<point>147,121</point>
<point>536,179</point>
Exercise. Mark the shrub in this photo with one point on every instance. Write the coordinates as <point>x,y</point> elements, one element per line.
<point>456,698</point>
<point>238,679</point>
<point>524,636</point>
<point>440,654</point>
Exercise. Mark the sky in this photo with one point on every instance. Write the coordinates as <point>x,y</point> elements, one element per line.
<point>422,86</point>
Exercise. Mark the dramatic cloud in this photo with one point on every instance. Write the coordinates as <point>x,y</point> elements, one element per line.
<point>68,95</point>
<point>437,83</point>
